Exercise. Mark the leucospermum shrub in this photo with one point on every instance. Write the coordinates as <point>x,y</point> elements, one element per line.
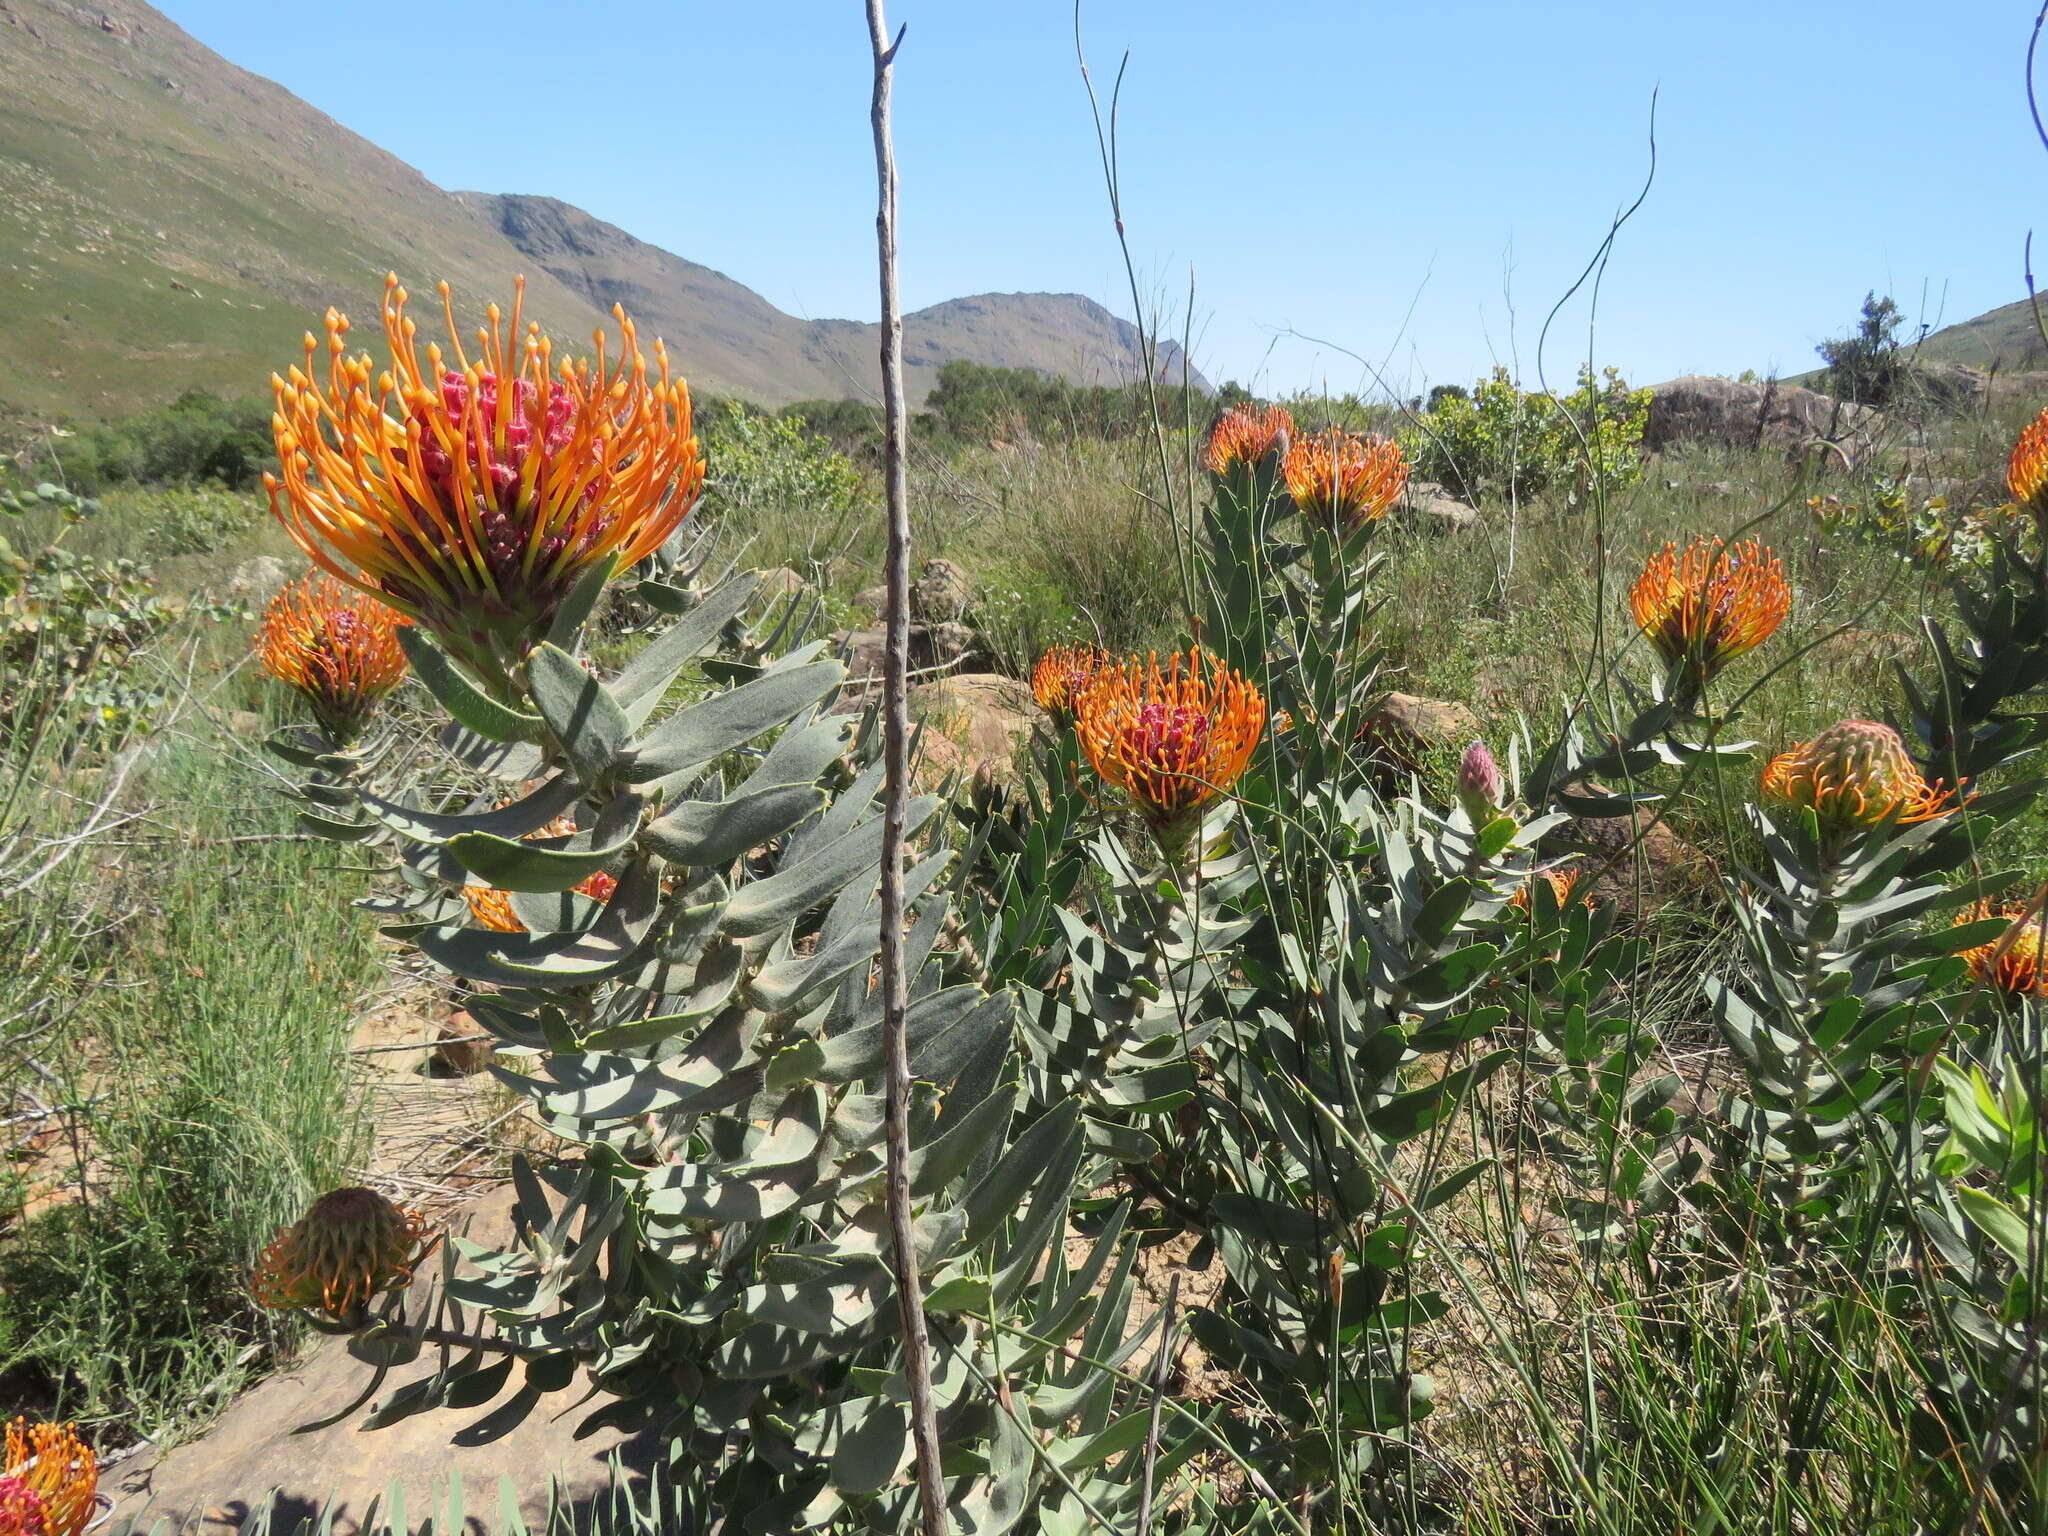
<point>1209,974</point>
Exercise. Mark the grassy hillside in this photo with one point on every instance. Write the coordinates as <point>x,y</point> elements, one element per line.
<point>169,221</point>
<point>2005,338</point>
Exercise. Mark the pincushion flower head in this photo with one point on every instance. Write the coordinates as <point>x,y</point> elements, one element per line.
<point>2012,963</point>
<point>1343,480</point>
<point>1565,885</point>
<point>1062,672</point>
<point>2026,472</point>
<point>1854,774</point>
<point>336,645</point>
<point>350,1247</point>
<point>1248,437</point>
<point>471,492</point>
<point>1705,606</point>
<point>1173,738</point>
<point>48,1480</point>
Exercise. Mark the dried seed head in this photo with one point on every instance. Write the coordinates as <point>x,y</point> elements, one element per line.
<point>350,1247</point>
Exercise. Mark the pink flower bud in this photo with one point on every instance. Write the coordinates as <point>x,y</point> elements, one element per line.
<point>1480,788</point>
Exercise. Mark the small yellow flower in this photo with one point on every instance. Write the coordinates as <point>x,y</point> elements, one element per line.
<point>1061,673</point>
<point>48,1480</point>
<point>350,1247</point>
<point>334,644</point>
<point>471,494</point>
<point>1709,605</point>
<point>1855,773</point>
<point>2026,472</point>
<point>2012,963</point>
<point>1174,739</point>
<point>1247,436</point>
<point>1343,480</point>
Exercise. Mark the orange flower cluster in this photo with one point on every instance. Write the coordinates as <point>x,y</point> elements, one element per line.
<point>1173,738</point>
<point>337,646</point>
<point>2026,472</point>
<point>48,1481</point>
<point>1344,480</point>
<point>2012,963</point>
<point>472,494</point>
<point>493,908</point>
<point>1244,436</point>
<point>1703,608</point>
<point>1565,885</point>
<point>1854,774</point>
<point>350,1247</point>
<point>1061,674</point>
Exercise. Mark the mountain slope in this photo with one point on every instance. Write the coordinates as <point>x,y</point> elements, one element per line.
<point>2006,338</point>
<point>170,221</point>
<point>733,341</point>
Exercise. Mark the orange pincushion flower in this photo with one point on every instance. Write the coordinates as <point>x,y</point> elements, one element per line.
<point>1062,673</point>
<point>48,1480</point>
<point>1174,740</point>
<point>350,1247</point>
<point>472,494</point>
<point>2012,963</point>
<point>2026,472</point>
<point>1855,773</point>
<point>337,646</point>
<point>1710,604</point>
<point>1564,886</point>
<point>493,908</point>
<point>1342,480</point>
<point>1246,436</point>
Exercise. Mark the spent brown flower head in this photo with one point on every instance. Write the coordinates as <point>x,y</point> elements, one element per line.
<point>1709,604</point>
<point>1343,480</point>
<point>2012,963</point>
<point>1173,738</point>
<point>472,493</point>
<point>1247,436</point>
<point>2026,472</point>
<point>350,1247</point>
<point>48,1479</point>
<point>1060,675</point>
<point>1856,773</point>
<point>336,645</point>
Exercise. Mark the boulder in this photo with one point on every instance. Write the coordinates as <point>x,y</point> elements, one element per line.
<point>1727,413</point>
<point>931,645</point>
<point>1422,722</point>
<point>251,1459</point>
<point>258,580</point>
<point>941,594</point>
<point>1430,504</point>
<point>984,717</point>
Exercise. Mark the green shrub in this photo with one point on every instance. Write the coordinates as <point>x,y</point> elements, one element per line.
<point>1503,442</point>
<point>1868,367</point>
<point>198,437</point>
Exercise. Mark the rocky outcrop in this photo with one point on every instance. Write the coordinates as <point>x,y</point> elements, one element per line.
<point>1728,413</point>
<point>1430,505</point>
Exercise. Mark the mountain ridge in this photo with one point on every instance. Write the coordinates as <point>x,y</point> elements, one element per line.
<point>169,220</point>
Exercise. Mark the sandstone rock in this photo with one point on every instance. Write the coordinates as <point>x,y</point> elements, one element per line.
<point>941,594</point>
<point>1424,722</point>
<point>251,1460</point>
<point>780,582</point>
<point>456,1048</point>
<point>1431,503</point>
<point>1725,413</point>
<point>257,581</point>
<point>984,716</point>
<point>931,645</point>
<point>873,599</point>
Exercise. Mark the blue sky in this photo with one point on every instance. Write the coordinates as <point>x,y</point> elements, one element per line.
<point>1413,183</point>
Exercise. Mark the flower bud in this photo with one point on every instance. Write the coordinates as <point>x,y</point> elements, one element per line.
<point>1480,787</point>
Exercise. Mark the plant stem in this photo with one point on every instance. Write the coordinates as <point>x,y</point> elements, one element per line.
<point>917,1368</point>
